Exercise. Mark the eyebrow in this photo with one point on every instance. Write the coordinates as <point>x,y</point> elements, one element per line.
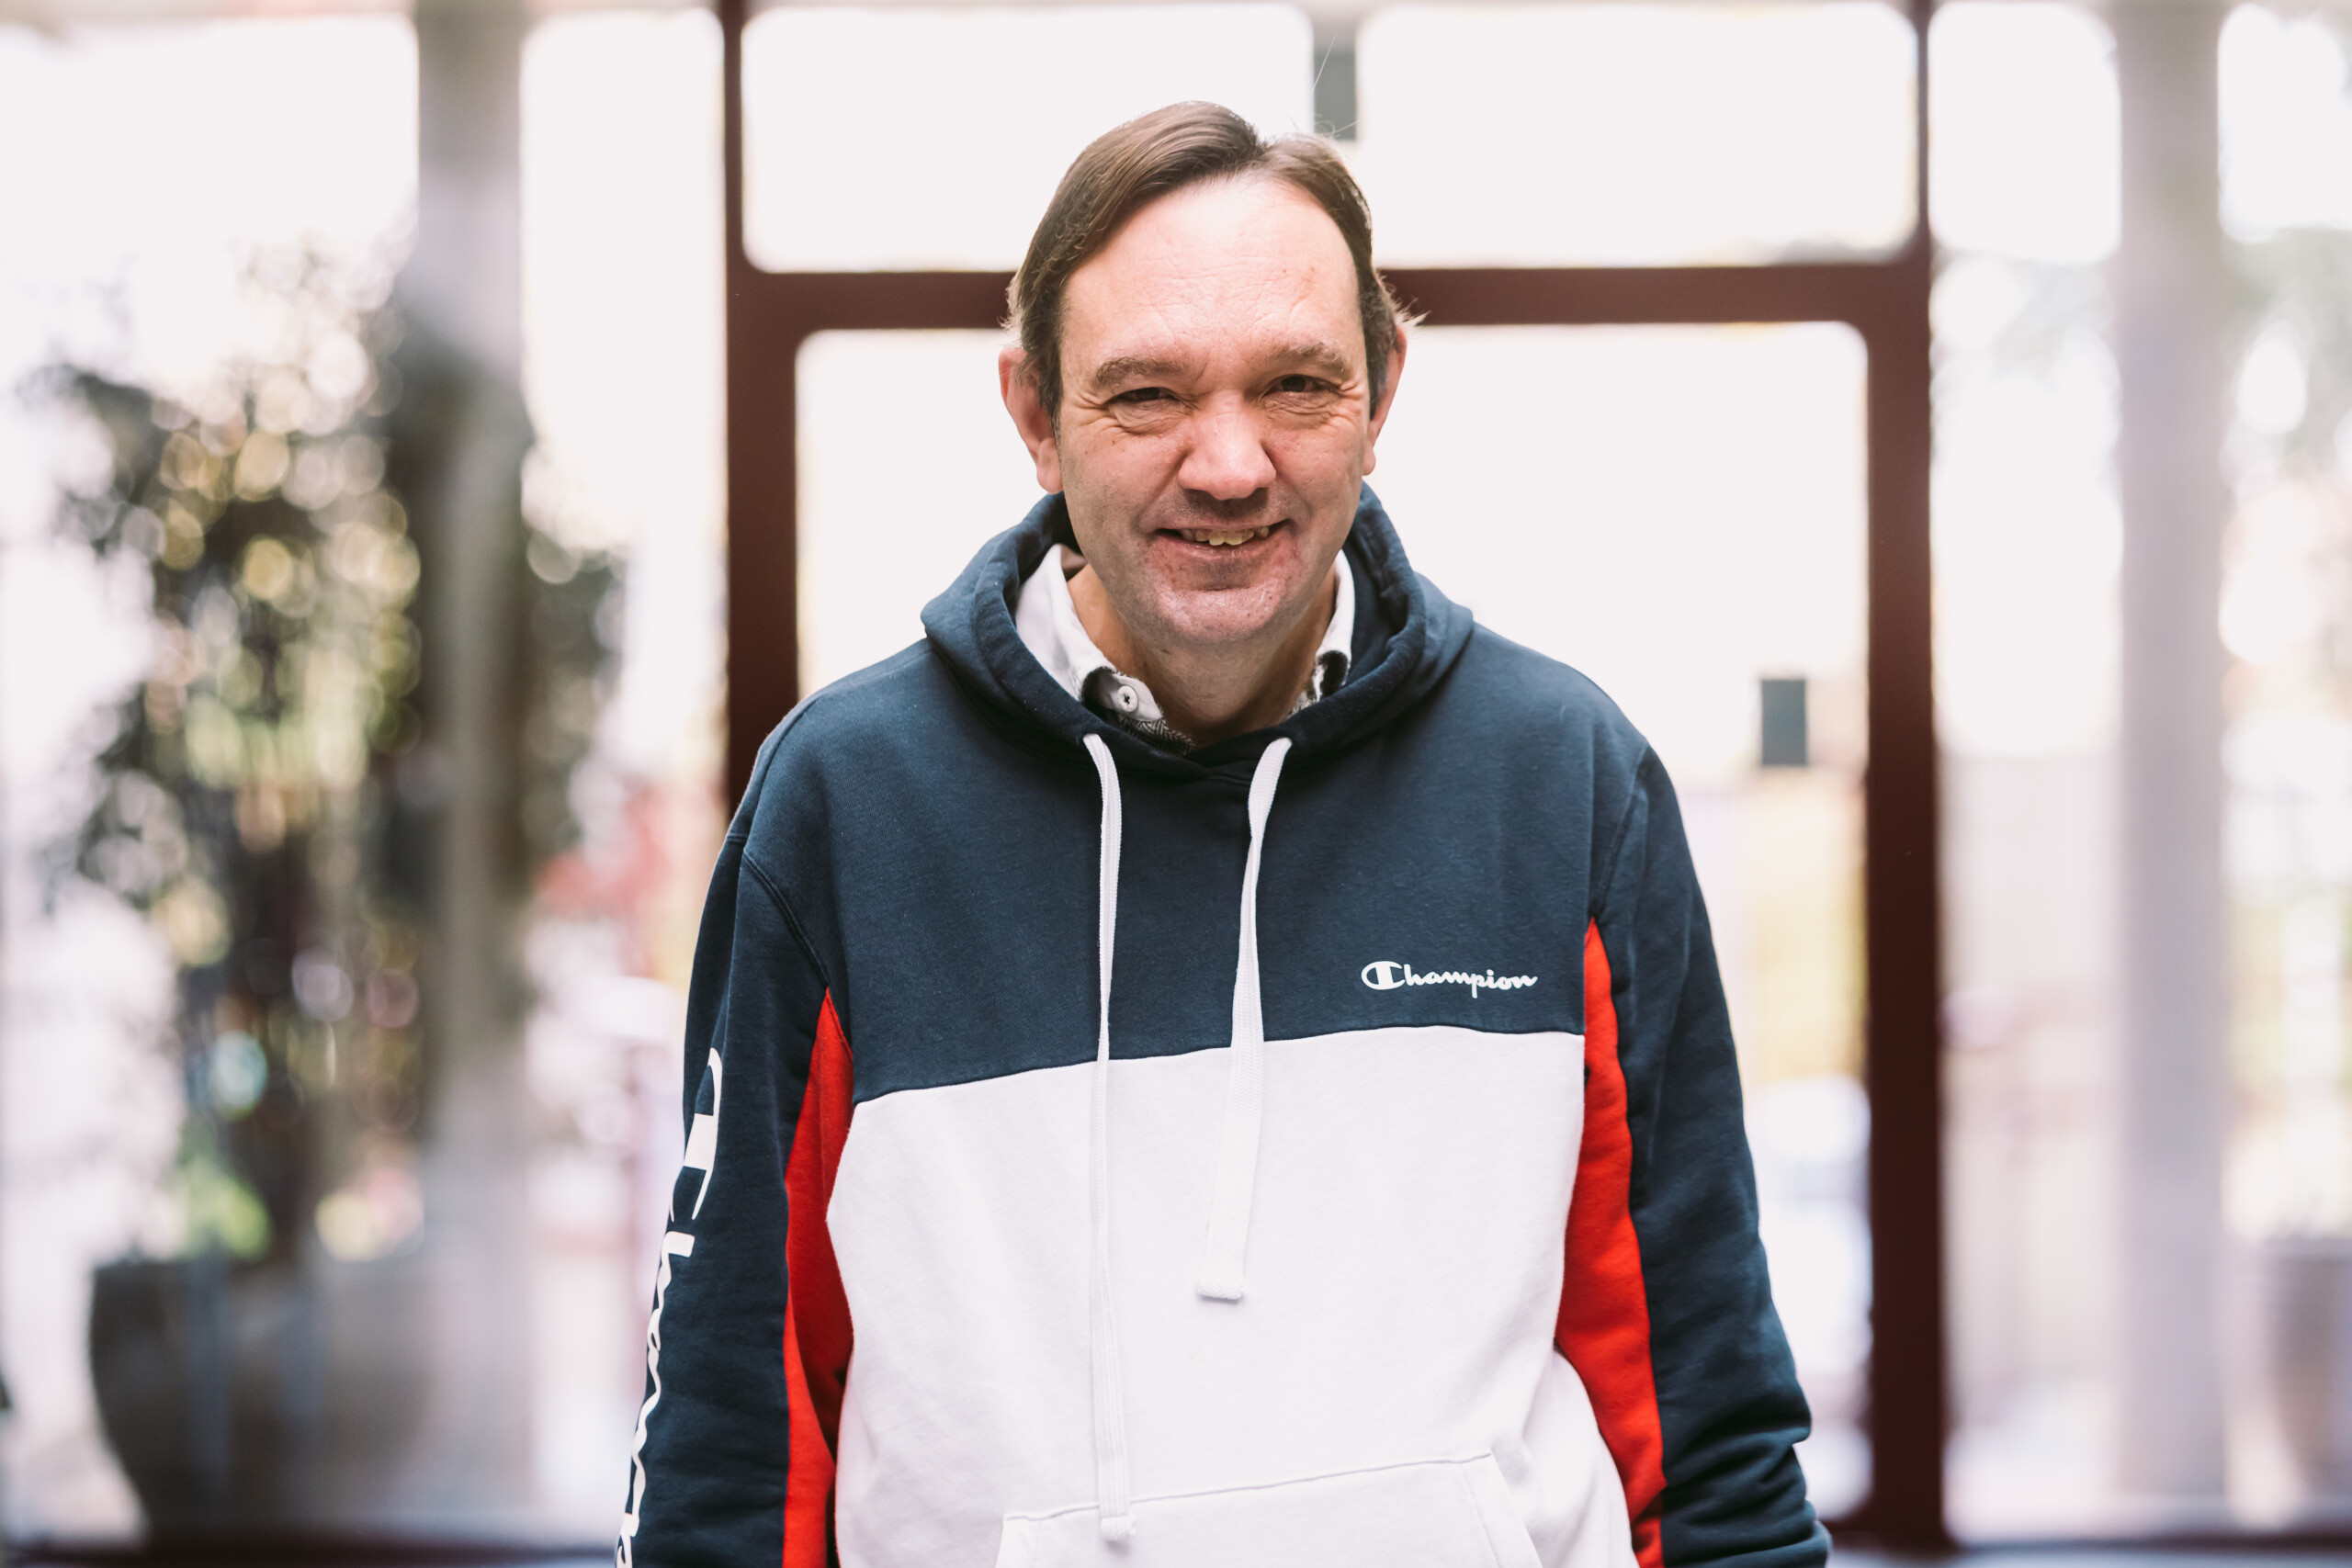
<point>1134,367</point>
<point>1318,355</point>
<point>1129,367</point>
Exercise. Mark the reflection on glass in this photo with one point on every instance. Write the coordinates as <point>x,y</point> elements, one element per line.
<point>1629,134</point>
<point>907,137</point>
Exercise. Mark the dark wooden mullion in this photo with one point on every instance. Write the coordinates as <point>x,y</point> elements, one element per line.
<point>1903,905</point>
<point>770,315</point>
<point>1903,898</point>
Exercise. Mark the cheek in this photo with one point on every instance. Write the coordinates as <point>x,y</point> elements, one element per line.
<point>1321,457</point>
<point>1107,458</point>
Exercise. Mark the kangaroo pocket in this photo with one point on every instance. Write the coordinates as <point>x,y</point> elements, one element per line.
<point>1434,1514</point>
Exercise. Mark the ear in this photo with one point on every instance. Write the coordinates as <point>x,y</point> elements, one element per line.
<point>1030,417</point>
<point>1388,401</point>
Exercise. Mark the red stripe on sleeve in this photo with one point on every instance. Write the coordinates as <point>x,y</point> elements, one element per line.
<point>815,1312</point>
<point>1604,1325</point>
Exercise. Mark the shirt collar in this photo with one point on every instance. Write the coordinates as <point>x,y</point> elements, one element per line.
<point>1046,618</point>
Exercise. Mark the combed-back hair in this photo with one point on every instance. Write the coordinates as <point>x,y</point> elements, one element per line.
<point>1127,168</point>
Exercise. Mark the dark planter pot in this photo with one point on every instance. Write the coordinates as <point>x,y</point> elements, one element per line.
<point>253,1399</point>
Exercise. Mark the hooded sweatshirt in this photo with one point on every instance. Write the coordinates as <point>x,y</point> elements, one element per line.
<point>1322,1147</point>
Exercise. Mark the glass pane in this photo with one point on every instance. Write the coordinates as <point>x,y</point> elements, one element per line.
<point>2286,123</point>
<point>2286,625</point>
<point>623,323</point>
<point>2028,543</point>
<point>905,138</point>
<point>1626,134</point>
<point>2025,130</point>
<point>89,110</point>
<point>2026,676</point>
<point>856,486</point>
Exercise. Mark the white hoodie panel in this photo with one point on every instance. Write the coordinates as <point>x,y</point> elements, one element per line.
<point>1386,1342</point>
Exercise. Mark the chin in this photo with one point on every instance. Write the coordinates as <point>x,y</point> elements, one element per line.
<point>1214,618</point>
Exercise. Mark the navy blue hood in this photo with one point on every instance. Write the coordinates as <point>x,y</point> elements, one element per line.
<point>1407,636</point>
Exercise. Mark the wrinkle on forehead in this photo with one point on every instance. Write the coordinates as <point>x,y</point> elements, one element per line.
<point>1252,267</point>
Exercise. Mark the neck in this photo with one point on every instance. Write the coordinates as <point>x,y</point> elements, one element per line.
<point>1213,694</point>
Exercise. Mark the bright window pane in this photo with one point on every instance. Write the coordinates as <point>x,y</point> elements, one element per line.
<point>1568,516</point>
<point>2286,124</point>
<point>2025,142</point>
<point>2028,536</point>
<point>1545,135</point>
<point>879,536</point>
<point>2028,548</point>
<point>102,128</point>
<point>623,219</point>
<point>914,139</point>
<point>2286,625</point>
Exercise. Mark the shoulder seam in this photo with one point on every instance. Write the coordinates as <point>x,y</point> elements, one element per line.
<point>1625,830</point>
<point>761,875</point>
<point>738,832</point>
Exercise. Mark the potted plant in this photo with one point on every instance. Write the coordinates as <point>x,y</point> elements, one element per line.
<point>257,802</point>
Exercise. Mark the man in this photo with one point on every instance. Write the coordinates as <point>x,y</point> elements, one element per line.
<point>1211,1058</point>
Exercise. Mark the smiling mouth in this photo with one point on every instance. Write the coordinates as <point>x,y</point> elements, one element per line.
<point>1224,538</point>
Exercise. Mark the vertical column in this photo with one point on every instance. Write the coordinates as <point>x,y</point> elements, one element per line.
<point>464,281</point>
<point>2172,298</point>
<point>1903,942</point>
<point>1902,1067</point>
<point>459,441</point>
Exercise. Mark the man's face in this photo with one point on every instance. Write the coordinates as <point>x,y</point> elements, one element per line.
<point>1216,421</point>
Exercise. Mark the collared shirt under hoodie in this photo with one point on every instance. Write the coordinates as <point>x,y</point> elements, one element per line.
<point>1319,1146</point>
<point>1047,619</point>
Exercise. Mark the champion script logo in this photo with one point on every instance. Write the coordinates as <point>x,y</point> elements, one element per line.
<point>1388,974</point>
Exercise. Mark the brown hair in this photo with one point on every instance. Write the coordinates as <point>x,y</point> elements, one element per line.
<point>1129,167</point>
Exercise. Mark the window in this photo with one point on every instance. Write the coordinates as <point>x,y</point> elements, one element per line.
<point>1635,134</point>
<point>1804,561</point>
<point>900,138</point>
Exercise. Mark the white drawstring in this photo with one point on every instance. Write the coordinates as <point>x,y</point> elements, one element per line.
<point>1111,1508</point>
<point>1245,1094</point>
<point>1236,1165</point>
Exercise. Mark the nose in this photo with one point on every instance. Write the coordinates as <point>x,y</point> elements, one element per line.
<point>1227,460</point>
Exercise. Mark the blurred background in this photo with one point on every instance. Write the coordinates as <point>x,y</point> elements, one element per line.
<point>1933,427</point>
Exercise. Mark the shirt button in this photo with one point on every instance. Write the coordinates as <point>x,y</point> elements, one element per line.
<point>1126,699</point>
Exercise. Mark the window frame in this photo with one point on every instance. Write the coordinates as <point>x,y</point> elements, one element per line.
<point>770,315</point>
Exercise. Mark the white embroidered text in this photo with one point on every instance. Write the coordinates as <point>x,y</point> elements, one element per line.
<point>1388,974</point>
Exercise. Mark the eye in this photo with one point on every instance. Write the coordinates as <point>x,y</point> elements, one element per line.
<point>1300,386</point>
<point>1142,395</point>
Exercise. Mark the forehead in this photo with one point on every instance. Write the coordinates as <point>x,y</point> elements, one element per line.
<point>1214,265</point>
